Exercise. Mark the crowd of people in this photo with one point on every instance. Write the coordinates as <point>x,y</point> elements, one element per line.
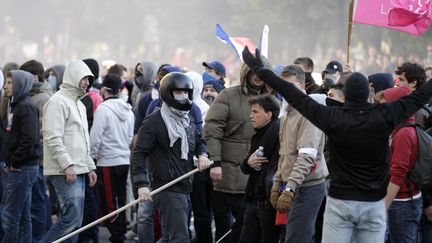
<point>287,155</point>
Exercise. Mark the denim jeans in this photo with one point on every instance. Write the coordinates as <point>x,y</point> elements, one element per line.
<point>39,207</point>
<point>173,210</point>
<point>71,199</point>
<point>145,222</point>
<point>365,221</point>
<point>16,217</point>
<point>303,213</point>
<point>404,219</point>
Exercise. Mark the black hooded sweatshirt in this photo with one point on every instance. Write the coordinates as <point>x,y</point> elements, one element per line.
<point>358,133</point>
<point>23,147</point>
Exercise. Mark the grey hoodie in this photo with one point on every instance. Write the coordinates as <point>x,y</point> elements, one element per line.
<point>112,133</point>
<point>22,84</point>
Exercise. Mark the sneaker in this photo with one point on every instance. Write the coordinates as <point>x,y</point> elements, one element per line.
<point>130,235</point>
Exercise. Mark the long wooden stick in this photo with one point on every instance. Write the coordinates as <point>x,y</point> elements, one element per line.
<point>350,17</point>
<point>126,206</point>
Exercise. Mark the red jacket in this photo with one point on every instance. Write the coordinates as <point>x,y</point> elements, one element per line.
<point>403,155</point>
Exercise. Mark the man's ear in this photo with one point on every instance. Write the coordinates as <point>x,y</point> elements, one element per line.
<point>413,84</point>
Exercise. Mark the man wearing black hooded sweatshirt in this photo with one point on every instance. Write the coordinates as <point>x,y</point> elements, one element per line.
<point>22,155</point>
<point>358,139</point>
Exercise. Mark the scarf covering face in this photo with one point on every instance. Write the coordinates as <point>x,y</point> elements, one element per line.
<point>176,121</point>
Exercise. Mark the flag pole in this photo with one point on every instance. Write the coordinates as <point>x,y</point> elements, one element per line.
<point>350,17</point>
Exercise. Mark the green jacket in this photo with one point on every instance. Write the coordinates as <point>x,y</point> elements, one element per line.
<point>228,132</point>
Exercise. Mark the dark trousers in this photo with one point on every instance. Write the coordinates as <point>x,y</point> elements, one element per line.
<point>112,191</point>
<point>259,223</point>
<point>91,213</point>
<point>224,205</point>
<point>201,208</point>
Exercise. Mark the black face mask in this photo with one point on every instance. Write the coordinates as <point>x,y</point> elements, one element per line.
<point>209,99</point>
<point>139,79</point>
<point>308,78</point>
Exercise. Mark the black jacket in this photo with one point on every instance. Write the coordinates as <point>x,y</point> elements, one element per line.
<point>153,154</point>
<point>260,182</point>
<point>358,137</point>
<point>22,142</point>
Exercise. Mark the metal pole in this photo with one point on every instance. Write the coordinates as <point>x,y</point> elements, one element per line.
<point>126,206</point>
<point>227,233</point>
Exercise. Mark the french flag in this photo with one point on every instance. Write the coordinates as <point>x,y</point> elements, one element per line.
<point>239,43</point>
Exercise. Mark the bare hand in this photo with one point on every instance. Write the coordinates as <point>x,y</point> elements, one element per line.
<point>203,163</point>
<point>428,212</point>
<point>216,174</point>
<point>70,174</point>
<point>144,193</point>
<point>255,162</point>
<point>92,178</point>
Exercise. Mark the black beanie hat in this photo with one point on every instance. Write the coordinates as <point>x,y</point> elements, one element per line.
<point>94,67</point>
<point>356,88</point>
<point>112,82</point>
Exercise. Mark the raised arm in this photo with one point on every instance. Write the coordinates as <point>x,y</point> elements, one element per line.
<point>314,112</point>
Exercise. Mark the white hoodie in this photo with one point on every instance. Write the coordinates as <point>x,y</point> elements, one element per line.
<point>112,133</point>
<point>198,86</point>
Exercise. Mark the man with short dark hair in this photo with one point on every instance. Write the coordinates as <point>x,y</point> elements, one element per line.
<point>259,222</point>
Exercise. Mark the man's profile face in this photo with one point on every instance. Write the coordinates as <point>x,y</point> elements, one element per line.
<point>84,83</point>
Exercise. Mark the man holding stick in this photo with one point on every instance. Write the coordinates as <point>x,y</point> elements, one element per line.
<point>169,149</point>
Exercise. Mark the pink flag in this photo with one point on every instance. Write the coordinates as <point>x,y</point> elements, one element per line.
<point>376,12</point>
<point>408,12</point>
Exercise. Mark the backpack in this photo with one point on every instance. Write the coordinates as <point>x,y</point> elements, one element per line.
<point>421,173</point>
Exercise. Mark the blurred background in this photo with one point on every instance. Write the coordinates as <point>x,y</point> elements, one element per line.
<point>183,33</point>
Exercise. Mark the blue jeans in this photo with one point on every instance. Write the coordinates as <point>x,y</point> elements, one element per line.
<point>303,213</point>
<point>365,221</point>
<point>39,207</point>
<point>71,199</point>
<point>145,222</point>
<point>16,217</point>
<point>403,220</point>
<point>173,211</point>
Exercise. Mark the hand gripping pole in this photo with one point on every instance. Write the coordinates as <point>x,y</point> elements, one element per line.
<point>126,206</point>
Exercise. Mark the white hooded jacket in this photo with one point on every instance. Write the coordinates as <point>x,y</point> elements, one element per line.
<point>65,130</point>
<point>198,86</point>
<point>112,133</point>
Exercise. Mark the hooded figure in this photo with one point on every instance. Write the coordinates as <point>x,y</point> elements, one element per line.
<point>143,81</point>
<point>57,79</point>
<point>198,86</point>
<point>22,156</point>
<point>65,125</point>
<point>67,148</point>
<point>381,81</point>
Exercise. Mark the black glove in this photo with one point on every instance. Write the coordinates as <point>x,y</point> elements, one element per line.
<point>254,62</point>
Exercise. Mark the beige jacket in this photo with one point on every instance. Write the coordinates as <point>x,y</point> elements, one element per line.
<point>65,129</point>
<point>301,161</point>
